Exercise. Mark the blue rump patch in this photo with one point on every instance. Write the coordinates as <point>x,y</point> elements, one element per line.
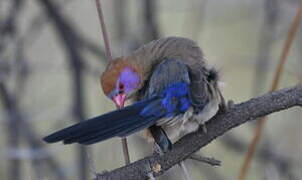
<point>176,98</point>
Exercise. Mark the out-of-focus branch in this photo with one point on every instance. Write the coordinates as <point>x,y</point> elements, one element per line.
<point>151,29</point>
<point>109,58</point>
<point>7,32</point>
<point>13,139</point>
<point>195,19</point>
<point>265,154</point>
<point>18,119</point>
<point>38,23</point>
<point>267,36</point>
<point>277,76</point>
<point>120,18</point>
<point>69,39</point>
<point>220,124</point>
<point>104,30</point>
<point>8,26</point>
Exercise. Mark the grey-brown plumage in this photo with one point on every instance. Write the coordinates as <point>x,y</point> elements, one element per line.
<point>183,49</point>
<point>205,93</point>
<point>173,90</point>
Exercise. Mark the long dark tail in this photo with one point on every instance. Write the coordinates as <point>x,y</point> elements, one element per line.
<point>120,123</point>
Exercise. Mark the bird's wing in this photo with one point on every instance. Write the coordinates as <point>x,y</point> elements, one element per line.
<point>167,95</point>
<point>171,79</point>
<point>187,52</point>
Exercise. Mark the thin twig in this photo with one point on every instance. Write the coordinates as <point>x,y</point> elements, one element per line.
<point>184,170</point>
<point>27,131</point>
<point>287,45</point>
<point>109,57</point>
<point>71,45</point>
<point>125,150</point>
<point>151,26</point>
<point>104,30</point>
<point>267,38</point>
<point>266,154</point>
<point>211,161</point>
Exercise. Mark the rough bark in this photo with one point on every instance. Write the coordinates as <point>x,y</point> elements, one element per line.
<point>220,124</point>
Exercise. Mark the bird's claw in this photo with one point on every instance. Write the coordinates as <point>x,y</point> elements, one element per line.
<point>225,107</point>
<point>157,149</point>
<point>204,128</point>
<point>230,104</point>
<point>149,172</point>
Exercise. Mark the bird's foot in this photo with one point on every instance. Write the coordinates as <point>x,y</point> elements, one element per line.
<point>204,128</point>
<point>202,122</point>
<point>150,176</point>
<point>225,107</point>
<point>160,138</point>
<point>184,171</point>
<point>149,171</point>
<point>157,149</point>
<point>230,104</point>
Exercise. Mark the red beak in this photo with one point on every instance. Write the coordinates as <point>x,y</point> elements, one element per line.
<point>119,100</point>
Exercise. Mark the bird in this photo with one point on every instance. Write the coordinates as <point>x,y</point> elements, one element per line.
<point>172,89</point>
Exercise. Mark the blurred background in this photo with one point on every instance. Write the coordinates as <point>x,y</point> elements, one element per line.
<point>52,53</point>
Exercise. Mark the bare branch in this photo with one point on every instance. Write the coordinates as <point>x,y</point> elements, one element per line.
<point>211,161</point>
<point>109,57</point>
<point>299,102</point>
<point>15,116</point>
<point>266,40</point>
<point>151,27</point>
<point>265,155</point>
<point>71,44</point>
<point>220,124</point>
<point>104,30</point>
<point>277,76</point>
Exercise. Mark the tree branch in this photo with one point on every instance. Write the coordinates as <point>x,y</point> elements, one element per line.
<point>208,160</point>
<point>71,44</point>
<point>220,124</point>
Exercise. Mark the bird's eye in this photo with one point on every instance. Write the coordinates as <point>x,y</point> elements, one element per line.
<point>121,88</point>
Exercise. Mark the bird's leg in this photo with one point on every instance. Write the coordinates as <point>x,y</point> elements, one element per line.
<point>184,170</point>
<point>162,144</point>
<point>211,109</point>
<point>204,128</point>
<point>224,107</point>
<point>150,176</point>
<point>157,149</point>
<point>160,138</point>
<point>125,150</point>
<point>125,144</point>
<point>149,172</point>
<point>230,104</point>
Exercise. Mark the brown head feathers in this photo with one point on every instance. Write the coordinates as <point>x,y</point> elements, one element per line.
<point>111,74</point>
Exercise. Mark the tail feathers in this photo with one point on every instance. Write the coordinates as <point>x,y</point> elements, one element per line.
<point>142,124</point>
<point>117,123</point>
<point>133,123</point>
<point>97,131</point>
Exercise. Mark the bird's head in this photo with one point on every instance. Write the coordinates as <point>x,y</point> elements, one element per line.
<point>121,79</point>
